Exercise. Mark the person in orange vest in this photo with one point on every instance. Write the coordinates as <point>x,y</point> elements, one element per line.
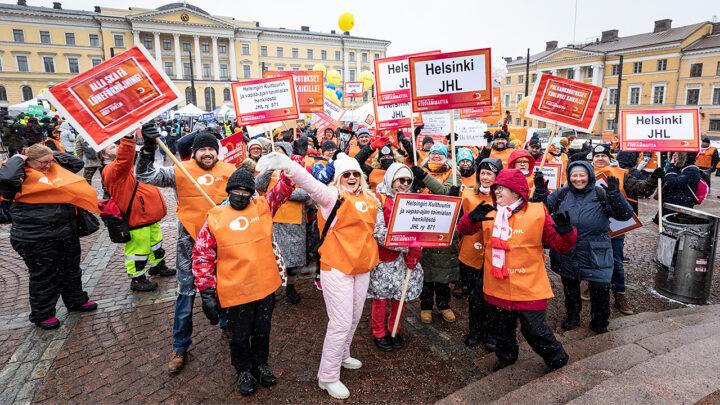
<point>192,208</point>
<point>236,272</point>
<point>707,158</point>
<point>427,143</point>
<point>363,140</point>
<point>500,148</point>
<point>347,216</point>
<point>385,155</point>
<point>515,279</point>
<point>46,197</point>
<point>522,160</point>
<point>53,140</point>
<point>144,253</point>
<point>535,149</point>
<point>471,258</point>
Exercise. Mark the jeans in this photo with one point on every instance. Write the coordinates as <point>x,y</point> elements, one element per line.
<point>183,324</point>
<point>618,275</point>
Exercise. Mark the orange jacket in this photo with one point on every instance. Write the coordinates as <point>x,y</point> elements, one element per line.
<point>119,180</point>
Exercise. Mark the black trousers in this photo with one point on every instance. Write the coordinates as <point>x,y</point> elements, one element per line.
<point>478,308</point>
<point>249,326</point>
<point>54,272</point>
<point>467,276</point>
<point>599,302</point>
<point>435,293</point>
<point>535,330</point>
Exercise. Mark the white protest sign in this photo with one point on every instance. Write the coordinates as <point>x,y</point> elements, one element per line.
<point>335,111</point>
<point>395,116</point>
<point>422,220</point>
<point>436,124</point>
<point>470,133</point>
<point>262,128</point>
<point>392,76</point>
<point>673,130</point>
<point>353,89</point>
<point>552,173</point>
<point>265,100</point>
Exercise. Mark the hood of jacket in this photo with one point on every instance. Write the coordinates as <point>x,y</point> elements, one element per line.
<point>386,186</point>
<point>521,153</point>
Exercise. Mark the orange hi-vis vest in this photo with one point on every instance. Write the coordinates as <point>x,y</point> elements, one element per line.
<point>503,155</point>
<point>290,212</point>
<point>192,208</point>
<point>704,159</point>
<point>349,245</point>
<point>618,173</point>
<point>652,164</point>
<point>528,279</point>
<point>468,182</point>
<point>471,246</point>
<point>57,186</point>
<point>376,177</point>
<point>246,266</point>
<point>58,144</point>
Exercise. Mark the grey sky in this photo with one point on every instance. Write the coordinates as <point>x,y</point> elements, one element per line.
<point>509,27</point>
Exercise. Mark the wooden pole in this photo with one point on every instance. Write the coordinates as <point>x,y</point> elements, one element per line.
<point>659,193</point>
<point>403,295</point>
<point>184,171</point>
<point>272,141</point>
<point>414,140</point>
<point>452,147</point>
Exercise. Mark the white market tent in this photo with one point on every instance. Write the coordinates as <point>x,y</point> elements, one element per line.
<point>190,110</point>
<point>224,111</point>
<point>358,114</point>
<point>23,107</point>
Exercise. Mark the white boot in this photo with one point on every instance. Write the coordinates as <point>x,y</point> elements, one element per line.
<point>335,389</point>
<point>351,363</point>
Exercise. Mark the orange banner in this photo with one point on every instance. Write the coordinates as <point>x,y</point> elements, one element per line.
<point>309,87</point>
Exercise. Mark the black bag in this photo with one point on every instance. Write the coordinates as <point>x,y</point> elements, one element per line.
<point>86,223</point>
<point>328,223</point>
<point>119,228</point>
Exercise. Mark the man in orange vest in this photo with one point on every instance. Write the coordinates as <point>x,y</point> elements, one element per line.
<point>501,147</point>
<point>192,208</point>
<point>707,158</point>
<point>236,272</point>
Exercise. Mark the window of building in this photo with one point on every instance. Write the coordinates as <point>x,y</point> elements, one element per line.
<point>541,124</point>
<point>246,71</point>
<point>589,71</point>
<point>18,36</point>
<point>280,68</point>
<point>96,61</point>
<point>507,99</point>
<point>714,124</point>
<point>610,124</point>
<point>716,96</point>
<point>187,70</point>
<point>186,46</point>
<point>692,96</point>
<point>27,93</point>
<point>376,56</point>
<point>189,95</point>
<point>223,71</point>
<point>94,40</point>
<point>209,99</point>
<point>365,96</point>
<point>263,51</point>
<point>22,63</point>
<point>352,56</point>
<point>169,68</point>
<point>309,53</point>
<point>717,70</point>
<point>279,52</point>
<point>571,74</point>
<point>205,47</point>
<point>517,121</point>
<point>73,65</point>
<point>246,49</point>
<point>612,96</point>
<point>44,37</point>
<point>295,53</point>
<point>206,70</point>
<point>634,96</point>
<point>662,65</point>
<point>508,80</point>
<point>226,94</point>
<point>148,42</point>
<point>337,55</point>
<point>615,70</point>
<point>637,67</point>
<point>534,77</point>
<point>3,94</point>
<point>323,55</point>
<point>119,41</point>
<point>521,79</point>
<point>658,94</point>
<point>518,97</point>
<point>696,70</point>
<point>351,72</point>
<point>166,45</point>
<point>49,64</point>
<point>364,57</point>
<point>222,48</point>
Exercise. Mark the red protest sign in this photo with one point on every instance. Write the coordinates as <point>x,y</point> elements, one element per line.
<point>353,89</point>
<point>392,78</point>
<point>395,116</point>
<point>451,80</point>
<point>493,112</point>
<point>265,100</point>
<point>423,220</point>
<point>233,149</point>
<point>309,87</point>
<point>668,130</point>
<point>565,102</point>
<point>112,99</point>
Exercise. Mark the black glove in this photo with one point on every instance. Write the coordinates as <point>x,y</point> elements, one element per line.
<point>400,136</point>
<point>539,181</point>
<point>454,191</point>
<point>562,222</point>
<point>337,152</point>
<point>149,132</point>
<point>448,137</point>
<point>300,146</point>
<point>419,173</point>
<point>658,173</point>
<point>480,212</point>
<point>613,185</point>
<point>419,129</point>
<point>488,136</point>
<point>210,305</point>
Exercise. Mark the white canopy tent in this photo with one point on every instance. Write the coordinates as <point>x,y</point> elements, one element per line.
<point>23,107</point>
<point>190,110</point>
<point>359,114</point>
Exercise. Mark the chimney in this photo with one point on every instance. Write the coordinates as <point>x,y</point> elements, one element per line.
<point>97,9</point>
<point>663,25</point>
<point>551,45</point>
<point>305,28</point>
<point>57,5</point>
<point>609,35</point>
<point>507,59</point>
<point>22,3</point>
<point>518,57</point>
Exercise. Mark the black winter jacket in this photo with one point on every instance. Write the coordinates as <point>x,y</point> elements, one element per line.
<point>679,185</point>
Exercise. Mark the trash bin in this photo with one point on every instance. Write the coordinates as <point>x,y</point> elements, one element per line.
<point>685,255</point>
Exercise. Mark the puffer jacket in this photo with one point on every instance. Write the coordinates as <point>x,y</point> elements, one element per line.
<point>679,185</point>
<point>590,213</point>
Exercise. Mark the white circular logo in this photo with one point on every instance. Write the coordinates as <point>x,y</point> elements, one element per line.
<point>239,224</point>
<point>477,245</point>
<point>44,179</point>
<point>206,180</point>
<point>361,206</point>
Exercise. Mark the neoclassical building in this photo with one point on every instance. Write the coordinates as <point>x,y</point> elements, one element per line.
<point>43,46</point>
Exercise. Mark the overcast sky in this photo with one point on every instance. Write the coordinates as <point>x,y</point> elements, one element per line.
<point>509,27</point>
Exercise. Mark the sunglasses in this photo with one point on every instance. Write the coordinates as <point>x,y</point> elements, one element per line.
<point>404,180</point>
<point>347,175</point>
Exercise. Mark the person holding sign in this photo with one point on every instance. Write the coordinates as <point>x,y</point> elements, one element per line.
<point>347,215</point>
<point>47,197</point>
<point>515,281</point>
<point>385,156</point>
<point>192,208</point>
<point>386,279</point>
<point>500,148</point>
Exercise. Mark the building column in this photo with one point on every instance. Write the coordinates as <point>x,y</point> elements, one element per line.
<point>597,74</point>
<point>216,59</point>
<point>233,63</point>
<point>136,37</point>
<point>576,73</point>
<point>158,51</point>
<point>198,58</point>
<point>178,57</point>
<point>346,69</point>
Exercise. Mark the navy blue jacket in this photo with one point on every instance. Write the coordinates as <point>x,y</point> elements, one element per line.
<point>679,185</point>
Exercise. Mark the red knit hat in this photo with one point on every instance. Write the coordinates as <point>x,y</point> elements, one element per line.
<point>518,154</point>
<point>514,180</point>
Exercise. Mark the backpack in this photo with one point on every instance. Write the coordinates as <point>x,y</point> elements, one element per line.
<point>702,188</point>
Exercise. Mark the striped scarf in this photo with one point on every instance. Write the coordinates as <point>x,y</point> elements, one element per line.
<point>500,236</point>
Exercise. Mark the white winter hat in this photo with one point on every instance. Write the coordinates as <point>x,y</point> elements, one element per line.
<point>345,163</point>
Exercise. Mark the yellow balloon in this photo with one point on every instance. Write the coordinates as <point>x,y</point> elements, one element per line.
<point>523,106</point>
<point>319,67</point>
<point>333,77</point>
<point>346,22</point>
<point>330,93</point>
<point>367,79</point>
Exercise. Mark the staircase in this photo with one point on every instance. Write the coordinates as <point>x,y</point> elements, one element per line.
<point>667,357</point>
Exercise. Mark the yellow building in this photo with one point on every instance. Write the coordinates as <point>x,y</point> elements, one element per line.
<point>666,68</point>
<point>43,46</point>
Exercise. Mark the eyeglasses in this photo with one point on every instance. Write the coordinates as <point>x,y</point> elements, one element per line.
<point>44,162</point>
<point>404,180</point>
<point>347,175</point>
<point>522,162</point>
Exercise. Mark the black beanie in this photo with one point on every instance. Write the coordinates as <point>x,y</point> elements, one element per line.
<point>205,139</point>
<point>328,145</point>
<point>427,139</point>
<point>501,134</point>
<point>241,179</point>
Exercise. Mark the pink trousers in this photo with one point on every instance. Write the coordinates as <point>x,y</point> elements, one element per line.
<point>344,300</point>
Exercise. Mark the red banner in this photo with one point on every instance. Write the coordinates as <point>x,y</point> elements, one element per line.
<point>423,220</point>
<point>392,78</point>
<point>309,87</point>
<point>111,100</point>
<point>233,149</point>
<point>565,102</point>
<point>493,112</point>
<point>265,100</point>
<point>672,130</point>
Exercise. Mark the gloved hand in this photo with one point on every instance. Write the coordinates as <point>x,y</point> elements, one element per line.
<point>418,129</point>
<point>300,146</point>
<point>210,305</point>
<point>400,136</point>
<point>149,132</point>
<point>539,181</point>
<point>418,173</point>
<point>488,136</point>
<point>480,212</point>
<point>562,222</point>
<point>448,137</point>
<point>378,142</point>
<point>613,184</point>
<point>454,191</point>
<point>658,173</point>
<point>274,161</point>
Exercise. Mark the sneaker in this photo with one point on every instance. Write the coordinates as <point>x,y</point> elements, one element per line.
<point>50,323</point>
<point>263,373</point>
<point>177,362</point>
<point>318,285</point>
<point>292,294</point>
<point>622,304</point>
<point>161,270</point>
<point>88,306</point>
<point>142,284</point>
<point>351,363</point>
<point>335,389</point>
<point>384,343</point>
<point>246,383</point>
<point>426,316</point>
<point>448,315</point>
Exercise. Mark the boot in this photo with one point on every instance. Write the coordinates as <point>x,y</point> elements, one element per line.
<point>490,343</point>
<point>584,292</point>
<point>177,362</point>
<point>426,316</point>
<point>335,389</point>
<point>161,270</point>
<point>384,343</point>
<point>246,383</point>
<point>142,284</point>
<point>472,340</point>
<point>573,305</point>
<point>292,294</point>
<point>599,307</point>
<point>50,323</point>
<point>622,304</point>
<point>264,374</point>
<point>397,341</point>
<point>448,315</point>
<point>88,306</point>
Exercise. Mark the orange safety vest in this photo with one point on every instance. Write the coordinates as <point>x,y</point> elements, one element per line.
<point>704,159</point>
<point>528,279</point>
<point>57,186</point>
<point>651,165</point>
<point>58,144</point>
<point>246,267</point>
<point>290,212</point>
<point>617,172</point>
<point>376,177</point>
<point>503,155</point>
<point>467,182</point>
<point>349,245</point>
<point>192,208</point>
<point>471,247</point>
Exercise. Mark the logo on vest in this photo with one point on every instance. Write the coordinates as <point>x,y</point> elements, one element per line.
<point>239,224</point>
<point>361,206</point>
<point>206,180</point>
<point>518,232</point>
<point>44,180</point>
<point>520,270</point>
<point>477,245</point>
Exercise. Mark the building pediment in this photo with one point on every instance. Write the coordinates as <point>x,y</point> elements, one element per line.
<point>180,16</point>
<point>568,54</point>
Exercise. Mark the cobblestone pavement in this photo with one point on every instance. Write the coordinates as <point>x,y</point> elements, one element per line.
<point>119,353</point>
